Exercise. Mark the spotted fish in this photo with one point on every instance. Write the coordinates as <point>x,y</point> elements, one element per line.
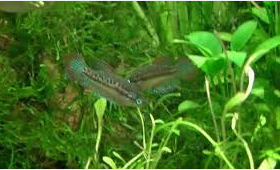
<point>163,75</point>
<point>104,83</point>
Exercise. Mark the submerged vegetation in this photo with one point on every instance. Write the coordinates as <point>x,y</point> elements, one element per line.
<point>227,117</point>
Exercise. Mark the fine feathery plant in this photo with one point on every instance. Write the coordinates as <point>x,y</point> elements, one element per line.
<point>229,117</point>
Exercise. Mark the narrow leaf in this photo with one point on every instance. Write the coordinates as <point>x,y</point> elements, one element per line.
<point>241,36</point>
<point>109,161</point>
<point>235,100</point>
<point>268,163</point>
<point>261,13</point>
<point>265,47</point>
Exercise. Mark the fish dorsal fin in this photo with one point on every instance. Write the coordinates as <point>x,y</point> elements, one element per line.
<point>98,64</point>
<point>163,60</point>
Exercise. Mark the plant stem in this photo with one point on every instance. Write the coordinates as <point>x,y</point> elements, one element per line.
<point>224,133</point>
<point>164,142</point>
<point>245,144</point>
<point>99,133</point>
<point>143,129</point>
<point>133,160</point>
<point>211,109</point>
<point>88,162</point>
<point>151,141</point>
<point>205,134</point>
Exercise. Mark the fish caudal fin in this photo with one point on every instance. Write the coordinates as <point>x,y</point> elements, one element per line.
<point>186,70</point>
<point>74,66</point>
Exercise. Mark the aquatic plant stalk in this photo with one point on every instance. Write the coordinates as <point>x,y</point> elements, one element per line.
<point>133,160</point>
<point>151,141</point>
<point>211,109</point>
<point>164,142</point>
<point>248,151</point>
<point>205,134</point>
<point>143,129</point>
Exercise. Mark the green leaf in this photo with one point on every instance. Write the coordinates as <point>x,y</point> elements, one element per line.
<point>206,40</point>
<point>265,47</point>
<point>209,65</point>
<point>199,61</point>
<point>241,36</point>
<point>214,65</point>
<point>261,13</point>
<point>235,100</point>
<point>186,105</point>
<point>237,58</point>
<point>100,106</point>
<point>109,161</point>
<point>268,163</point>
<point>117,155</point>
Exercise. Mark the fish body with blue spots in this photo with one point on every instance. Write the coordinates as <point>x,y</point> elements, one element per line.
<point>103,82</point>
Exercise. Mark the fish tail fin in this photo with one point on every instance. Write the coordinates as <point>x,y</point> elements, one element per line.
<point>74,66</point>
<point>186,70</point>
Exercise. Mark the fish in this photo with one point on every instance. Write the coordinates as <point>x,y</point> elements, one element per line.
<point>163,75</point>
<point>104,83</point>
<point>97,64</point>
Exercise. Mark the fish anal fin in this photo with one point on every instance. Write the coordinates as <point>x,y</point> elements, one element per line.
<point>166,87</point>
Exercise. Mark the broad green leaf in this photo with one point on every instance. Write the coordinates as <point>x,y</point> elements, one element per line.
<point>100,106</point>
<point>206,40</point>
<point>235,100</point>
<point>109,161</point>
<point>265,47</point>
<point>214,65</point>
<point>205,51</point>
<point>209,65</point>
<point>199,61</point>
<point>261,13</point>
<point>268,163</point>
<point>186,105</point>
<point>241,36</point>
<point>237,58</point>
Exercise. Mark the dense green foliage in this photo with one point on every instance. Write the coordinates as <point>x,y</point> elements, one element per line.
<point>228,117</point>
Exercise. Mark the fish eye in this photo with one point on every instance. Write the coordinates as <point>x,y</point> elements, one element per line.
<point>138,101</point>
